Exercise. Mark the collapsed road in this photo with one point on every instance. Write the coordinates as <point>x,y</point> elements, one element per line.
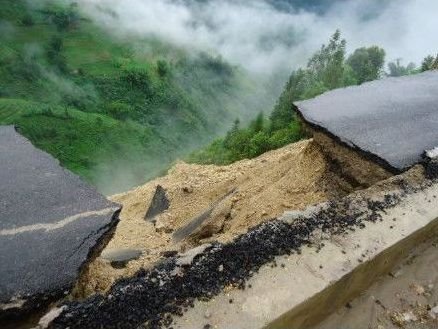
<point>393,120</point>
<point>158,297</point>
<point>51,225</point>
<point>274,270</point>
<point>236,283</point>
<point>212,203</point>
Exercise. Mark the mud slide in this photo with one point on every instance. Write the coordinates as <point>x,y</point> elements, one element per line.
<point>195,204</point>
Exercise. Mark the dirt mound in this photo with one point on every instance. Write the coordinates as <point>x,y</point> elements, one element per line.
<point>212,203</point>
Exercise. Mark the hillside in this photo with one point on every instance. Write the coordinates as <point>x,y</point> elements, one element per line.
<point>141,103</point>
<point>56,130</point>
<point>120,110</point>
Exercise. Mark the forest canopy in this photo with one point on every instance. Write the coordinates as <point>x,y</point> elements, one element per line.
<point>329,68</point>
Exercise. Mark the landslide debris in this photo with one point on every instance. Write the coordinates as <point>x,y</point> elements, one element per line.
<point>208,203</point>
<point>152,297</point>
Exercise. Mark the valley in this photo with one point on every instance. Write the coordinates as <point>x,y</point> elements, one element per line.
<point>117,112</point>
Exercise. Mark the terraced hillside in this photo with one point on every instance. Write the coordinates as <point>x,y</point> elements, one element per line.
<point>140,102</point>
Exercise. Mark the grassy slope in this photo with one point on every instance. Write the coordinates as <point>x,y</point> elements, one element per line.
<point>111,115</point>
<point>74,137</point>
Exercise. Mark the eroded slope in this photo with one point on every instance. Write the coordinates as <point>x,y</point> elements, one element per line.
<point>212,203</point>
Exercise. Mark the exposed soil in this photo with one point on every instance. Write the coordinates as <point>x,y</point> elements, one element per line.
<point>153,296</point>
<point>359,169</point>
<point>213,203</point>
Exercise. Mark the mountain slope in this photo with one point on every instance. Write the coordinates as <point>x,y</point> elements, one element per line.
<point>54,57</point>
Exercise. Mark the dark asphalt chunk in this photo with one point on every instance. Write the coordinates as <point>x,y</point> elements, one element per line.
<point>394,119</point>
<point>51,224</point>
<point>195,223</point>
<point>185,231</point>
<point>159,204</point>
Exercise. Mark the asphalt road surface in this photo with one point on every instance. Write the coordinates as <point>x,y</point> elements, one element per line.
<point>50,223</point>
<point>395,119</point>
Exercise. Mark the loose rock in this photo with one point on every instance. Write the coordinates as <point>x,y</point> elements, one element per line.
<point>159,204</point>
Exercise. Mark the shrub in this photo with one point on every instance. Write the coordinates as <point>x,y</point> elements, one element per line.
<point>54,54</point>
<point>138,78</point>
<point>163,68</point>
<point>48,112</point>
<point>258,144</point>
<point>27,20</point>
<point>119,110</point>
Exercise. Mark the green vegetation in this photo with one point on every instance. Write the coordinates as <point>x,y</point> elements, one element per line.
<point>327,69</point>
<point>115,112</point>
<point>74,137</point>
<point>429,63</point>
<point>119,112</point>
<point>367,63</point>
<point>396,69</point>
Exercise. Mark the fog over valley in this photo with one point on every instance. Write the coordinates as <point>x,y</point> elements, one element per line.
<point>268,36</point>
<point>119,91</point>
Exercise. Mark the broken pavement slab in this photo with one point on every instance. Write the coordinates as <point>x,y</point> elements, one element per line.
<point>390,121</point>
<point>159,204</point>
<point>51,225</point>
<point>196,225</point>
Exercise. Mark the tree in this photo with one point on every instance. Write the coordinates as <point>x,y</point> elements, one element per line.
<point>163,68</point>
<point>138,78</point>
<point>283,113</point>
<point>327,69</point>
<point>328,63</point>
<point>350,77</point>
<point>429,63</point>
<point>232,133</point>
<point>435,64</point>
<point>367,63</point>
<point>396,69</point>
<point>258,123</point>
<point>54,54</point>
<point>65,18</point>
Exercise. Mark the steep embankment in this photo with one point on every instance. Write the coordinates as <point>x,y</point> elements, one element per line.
<point>212,203</point>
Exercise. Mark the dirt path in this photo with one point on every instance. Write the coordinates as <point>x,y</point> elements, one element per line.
<point>212,203</point>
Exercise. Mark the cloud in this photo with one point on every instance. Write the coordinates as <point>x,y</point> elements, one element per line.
<point>405,28</point>
<point>264,39</point>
